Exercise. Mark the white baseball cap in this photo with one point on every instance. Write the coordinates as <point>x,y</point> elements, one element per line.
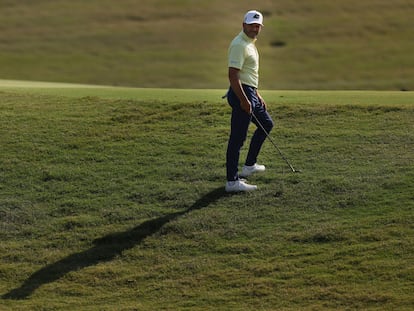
<point>253,17</point>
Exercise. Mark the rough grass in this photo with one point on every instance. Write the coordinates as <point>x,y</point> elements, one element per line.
<point>304,45</point>
<point>110,203</point>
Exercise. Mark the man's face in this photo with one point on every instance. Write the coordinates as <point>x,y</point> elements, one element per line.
<point>252,30</point>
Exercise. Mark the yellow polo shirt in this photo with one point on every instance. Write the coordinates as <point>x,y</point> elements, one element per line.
<point>243,55</point>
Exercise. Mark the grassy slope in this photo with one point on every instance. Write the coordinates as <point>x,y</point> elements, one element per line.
<point>111,203</point>
<point>328,44</point>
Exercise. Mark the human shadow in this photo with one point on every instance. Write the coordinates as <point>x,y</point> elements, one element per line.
<point>104,249</point>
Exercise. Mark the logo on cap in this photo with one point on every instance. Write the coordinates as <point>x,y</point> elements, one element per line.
<point>253,17</point>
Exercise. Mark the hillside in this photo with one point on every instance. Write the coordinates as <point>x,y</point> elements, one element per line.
<point>112,199</point>
<point>182,44</point>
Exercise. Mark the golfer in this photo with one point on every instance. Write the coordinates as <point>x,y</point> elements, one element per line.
<point>244,99</point>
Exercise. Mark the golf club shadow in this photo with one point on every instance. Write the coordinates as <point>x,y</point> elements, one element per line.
<point>104,249</point>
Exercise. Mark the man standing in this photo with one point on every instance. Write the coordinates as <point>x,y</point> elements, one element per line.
<point>243,97</point>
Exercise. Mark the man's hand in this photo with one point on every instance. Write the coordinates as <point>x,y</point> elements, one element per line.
<point>246,106</point>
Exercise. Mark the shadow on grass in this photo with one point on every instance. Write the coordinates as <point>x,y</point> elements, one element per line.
<point>104,249</point>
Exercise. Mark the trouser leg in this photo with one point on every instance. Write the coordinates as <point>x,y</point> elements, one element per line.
<point>238,132</point>
<point>259,135</point>
<point>240,121</point>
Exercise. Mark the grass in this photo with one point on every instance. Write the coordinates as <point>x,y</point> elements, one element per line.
<point>180,44</point>
<point>112,198</point>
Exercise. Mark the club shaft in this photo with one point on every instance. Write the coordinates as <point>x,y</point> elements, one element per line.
<point>273,143</point>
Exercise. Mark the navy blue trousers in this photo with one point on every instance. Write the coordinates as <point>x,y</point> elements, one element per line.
<point>240,122</point>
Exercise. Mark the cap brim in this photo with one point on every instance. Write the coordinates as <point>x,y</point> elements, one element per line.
<point>253,22</point>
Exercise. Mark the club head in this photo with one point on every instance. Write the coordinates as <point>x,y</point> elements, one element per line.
<point>293,169</point>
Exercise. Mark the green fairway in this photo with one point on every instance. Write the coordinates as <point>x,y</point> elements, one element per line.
<point>212,96</point>
<point>113,199</point>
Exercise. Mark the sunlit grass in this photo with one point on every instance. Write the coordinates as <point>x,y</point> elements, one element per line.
<point>118,203</point>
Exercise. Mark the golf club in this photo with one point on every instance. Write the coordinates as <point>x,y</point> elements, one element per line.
<point>274,144</point>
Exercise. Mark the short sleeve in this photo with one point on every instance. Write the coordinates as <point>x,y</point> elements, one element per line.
<point>236,56</point>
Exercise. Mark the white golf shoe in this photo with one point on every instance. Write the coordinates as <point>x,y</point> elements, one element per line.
<point>249,170</point>
<point>239,186</point>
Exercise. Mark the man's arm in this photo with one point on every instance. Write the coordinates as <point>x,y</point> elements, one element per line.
<point>238,90</point>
